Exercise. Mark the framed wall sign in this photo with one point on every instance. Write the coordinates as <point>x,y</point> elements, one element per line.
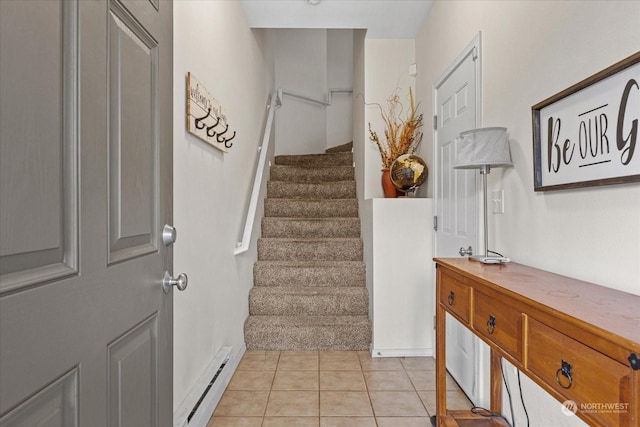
<point>587,134</point>
<point>205,117</point>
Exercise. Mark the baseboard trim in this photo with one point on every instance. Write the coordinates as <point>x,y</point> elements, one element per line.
<point>209,402</point>
<point>403,352</point>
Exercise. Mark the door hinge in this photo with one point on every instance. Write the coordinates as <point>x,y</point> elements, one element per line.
<point>434,323</point>
<point>435,223</point>
<point>435,122</point>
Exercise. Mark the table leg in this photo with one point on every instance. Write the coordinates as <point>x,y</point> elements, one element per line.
<point>441,363</point>
<point>496,382</point>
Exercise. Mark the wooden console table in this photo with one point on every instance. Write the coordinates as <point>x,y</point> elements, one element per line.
<point>576,340</point>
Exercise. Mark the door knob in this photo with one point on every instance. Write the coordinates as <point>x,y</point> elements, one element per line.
<point>464,251</point>
<point>168,281</point>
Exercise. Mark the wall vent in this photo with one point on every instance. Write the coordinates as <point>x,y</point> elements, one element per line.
<point>198,406</point>
<point>204,394</point>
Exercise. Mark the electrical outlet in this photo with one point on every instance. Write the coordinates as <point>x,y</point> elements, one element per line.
<point>497,200</point>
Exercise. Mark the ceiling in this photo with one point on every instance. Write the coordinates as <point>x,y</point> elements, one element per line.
<point>382,18</point>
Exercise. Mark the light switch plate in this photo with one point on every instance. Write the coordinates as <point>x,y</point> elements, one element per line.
<point>497,200</point>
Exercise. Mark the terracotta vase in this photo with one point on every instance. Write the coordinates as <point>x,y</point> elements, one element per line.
<point>387,186</point>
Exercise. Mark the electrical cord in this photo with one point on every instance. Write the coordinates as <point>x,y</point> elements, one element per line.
<point>522,399</point>
<point>504,380</point>
<point>494,252</point>
<point>484,412</point>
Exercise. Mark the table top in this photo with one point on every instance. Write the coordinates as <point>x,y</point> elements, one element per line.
<point>600,308</point>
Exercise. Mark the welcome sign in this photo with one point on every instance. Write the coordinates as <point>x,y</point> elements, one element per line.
<point>588,134</point>
<point>205,117</point>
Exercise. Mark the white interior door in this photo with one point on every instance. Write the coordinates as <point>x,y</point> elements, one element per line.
<point>85,188</point>
<point>457,106</point>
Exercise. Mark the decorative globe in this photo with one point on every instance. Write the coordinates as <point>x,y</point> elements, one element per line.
<point>408,172</point>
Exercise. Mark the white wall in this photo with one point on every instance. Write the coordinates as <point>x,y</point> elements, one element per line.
<point>300,58</point>
<point>532,50</point>
<point>309,62</point>
<point>213,41</point>
<point>386,71</point>
<point>339,76</point>
<point>359,149</point>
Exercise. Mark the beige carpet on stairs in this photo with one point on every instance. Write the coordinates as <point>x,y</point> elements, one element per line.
<point>309,281</point>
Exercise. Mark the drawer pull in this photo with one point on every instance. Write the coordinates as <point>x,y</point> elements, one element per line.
<point>565,371</point>
<point>452,296</point>
<point>491,324</point>
<point>634,360</point>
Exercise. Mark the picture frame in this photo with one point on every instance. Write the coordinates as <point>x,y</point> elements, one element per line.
<point>587,134</point>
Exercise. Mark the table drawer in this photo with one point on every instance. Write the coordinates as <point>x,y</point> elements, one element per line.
<point>499,323</point>
<point>455,296</point>
<point>600,386</point>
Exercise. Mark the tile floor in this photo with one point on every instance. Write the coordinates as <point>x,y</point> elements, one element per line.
<point>332,389</point>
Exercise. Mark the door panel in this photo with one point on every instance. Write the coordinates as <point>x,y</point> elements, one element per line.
<point>132,376</point>
<point>457,197</point>
<point>133,161</point>
<point>56,405</point>
<point>38,174</point>
<point>86,145</point>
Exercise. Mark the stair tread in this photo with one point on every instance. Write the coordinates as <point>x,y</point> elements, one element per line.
<point>333,155</point>
<point>327,208</point>
<point>308,199</point>
<point>309,240</point>
<point>314,167</point>
<point>313,154</point>
<point>308,227</point>
<point>342,148</point>
<point>287,263</point>
<point>267,320</point>
<point>310,290</point>
<point>312,219</point>
<point>326,183</point>
<point>309,273</point>
<point>334,185</point>
<point>311,173</point>
<point>303,190</point>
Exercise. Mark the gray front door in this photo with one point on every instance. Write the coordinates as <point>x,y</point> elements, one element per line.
<point>85,188</point>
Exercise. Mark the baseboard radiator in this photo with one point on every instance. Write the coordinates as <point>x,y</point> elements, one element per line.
<point>198,406</point>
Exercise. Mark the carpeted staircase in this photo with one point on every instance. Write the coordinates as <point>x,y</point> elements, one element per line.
<point>309,281</point>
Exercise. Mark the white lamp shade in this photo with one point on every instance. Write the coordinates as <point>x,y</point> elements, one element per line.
<point>483,147</point>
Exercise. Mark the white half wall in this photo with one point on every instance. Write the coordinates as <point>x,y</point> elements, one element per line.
<point>531,51</point>
<point>402,276</point>
<point>211,189</point>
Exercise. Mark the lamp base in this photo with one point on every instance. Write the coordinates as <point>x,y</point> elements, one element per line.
<point>488,259</point>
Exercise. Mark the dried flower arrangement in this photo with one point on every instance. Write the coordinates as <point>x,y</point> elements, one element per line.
<point>401,136</point>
